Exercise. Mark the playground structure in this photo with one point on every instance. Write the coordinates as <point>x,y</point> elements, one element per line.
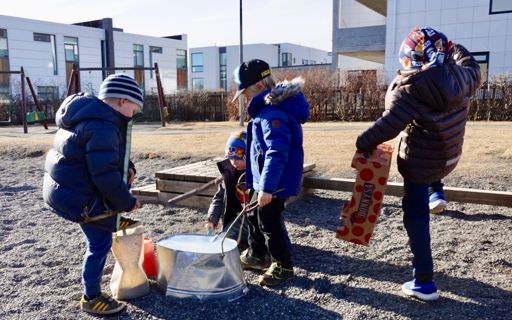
<point>73,85</point>
<point>33,116</point>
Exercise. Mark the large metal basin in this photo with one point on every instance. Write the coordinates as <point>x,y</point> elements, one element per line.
<point>191,265</point>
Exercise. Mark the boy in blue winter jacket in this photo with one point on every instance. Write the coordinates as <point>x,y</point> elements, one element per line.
<point>84,172</point>
<point>275,159</point>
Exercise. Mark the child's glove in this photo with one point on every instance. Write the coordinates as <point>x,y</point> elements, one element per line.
<point>210,228</point>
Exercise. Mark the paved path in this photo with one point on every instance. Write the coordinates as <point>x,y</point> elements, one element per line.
<point>214,127</point>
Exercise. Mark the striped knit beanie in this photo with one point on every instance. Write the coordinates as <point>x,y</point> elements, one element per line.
<point>121,86</point>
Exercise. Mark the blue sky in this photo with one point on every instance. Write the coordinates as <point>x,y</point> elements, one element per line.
<point>207,22</point>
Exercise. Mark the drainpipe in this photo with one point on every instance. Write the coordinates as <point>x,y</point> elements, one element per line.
<point>107,25</point>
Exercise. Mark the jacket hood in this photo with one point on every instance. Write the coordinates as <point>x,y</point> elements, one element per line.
<point>439,87</point>
<point>286,95</point>
<point>84,106</point>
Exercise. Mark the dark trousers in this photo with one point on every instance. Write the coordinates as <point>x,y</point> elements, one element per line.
<point>436,186</point>
<point>234,233</point>
<point>267,233</point>
<point>417,224</point>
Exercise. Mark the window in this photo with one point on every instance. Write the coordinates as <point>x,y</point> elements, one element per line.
<point>151,51</point>
<point>304,61</point>
<point>4,52</point>
<point>312,62</point>
<point>197,83</point>
<point>181,59</point>
<point>4,63</point>
<point>181,68</point>
<point>47,93</point>
<point>71,56</point>
<point>223,60</point>
<point>197,62</point>
<point>500,6</point>
<point>287,59</point>
<point>483,60</point>
<point>138,55</point>
<point>53,43</point>
<point>138,61</point>
<point>43,37</point>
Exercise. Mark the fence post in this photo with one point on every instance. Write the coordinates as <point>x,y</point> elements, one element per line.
<point>23,101</point>
<point>161,99</point>
<point>222,109</point>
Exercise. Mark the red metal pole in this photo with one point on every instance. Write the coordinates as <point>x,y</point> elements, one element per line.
<point>161,98</point>
<point>36,101</point>
<point>23,101</point>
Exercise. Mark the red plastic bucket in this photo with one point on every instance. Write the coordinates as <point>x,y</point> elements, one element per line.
<point>149,264</point>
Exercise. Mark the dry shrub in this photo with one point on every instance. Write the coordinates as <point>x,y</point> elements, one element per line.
<point>493,101</point>
<point>358,98</point>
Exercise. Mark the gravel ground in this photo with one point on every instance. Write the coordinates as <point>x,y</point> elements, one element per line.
<point>41,255</point>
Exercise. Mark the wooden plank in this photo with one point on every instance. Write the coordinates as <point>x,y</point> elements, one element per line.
<point>308,167</point>
<point>202,171</point>
<point>152,195</point>
<point>149,200</point>
<point>184,186</point>
<point>465,195</point>
<point>141,190</point>
<point>193,201</point>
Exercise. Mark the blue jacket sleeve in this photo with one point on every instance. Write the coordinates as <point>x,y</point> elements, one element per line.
<point>277,137</point>
<point>102,156</point>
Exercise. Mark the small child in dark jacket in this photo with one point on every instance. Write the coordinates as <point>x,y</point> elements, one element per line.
<point>84,171</point>
<point>232,193</point>
<point>426,105</point>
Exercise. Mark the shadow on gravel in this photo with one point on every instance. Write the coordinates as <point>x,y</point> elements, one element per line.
<point>485,299</point>
<point>324,212</point>
<point>259,303</point>
<point>17,189</point>
<point>475,217</point>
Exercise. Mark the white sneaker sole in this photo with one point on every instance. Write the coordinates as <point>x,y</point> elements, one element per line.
<point>437,206</point>
<point>425,297</point>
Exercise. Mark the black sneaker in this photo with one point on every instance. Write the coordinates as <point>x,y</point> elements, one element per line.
<point>250,262</point>
<point>125,223</point>
<point>102,304</point>
<point>275,275</point>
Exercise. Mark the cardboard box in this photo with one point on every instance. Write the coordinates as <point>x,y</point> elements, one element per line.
<point>360,214</point>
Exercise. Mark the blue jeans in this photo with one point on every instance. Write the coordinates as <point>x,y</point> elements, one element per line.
<point>417,224</point>
<point>99,243</point>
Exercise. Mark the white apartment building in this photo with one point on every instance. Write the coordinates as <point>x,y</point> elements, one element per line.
<point>211,68</point>
<point>367,33</point>
<point>48,50</point>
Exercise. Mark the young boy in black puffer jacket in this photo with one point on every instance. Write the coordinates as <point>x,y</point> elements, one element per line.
<point>426,104</point>
<point>84,172</point>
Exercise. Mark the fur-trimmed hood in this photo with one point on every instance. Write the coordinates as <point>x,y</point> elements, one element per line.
<point>286,95</point>
<point>284,90</point>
